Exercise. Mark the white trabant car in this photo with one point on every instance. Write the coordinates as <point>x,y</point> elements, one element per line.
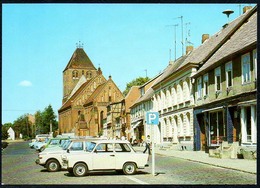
<point>52,158</point>
<point>103,155</point>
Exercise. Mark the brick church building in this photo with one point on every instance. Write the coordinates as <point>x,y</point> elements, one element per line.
<point>86,95</point>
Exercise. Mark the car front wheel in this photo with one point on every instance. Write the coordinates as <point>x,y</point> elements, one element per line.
<point>80,169</point>
<point>53,165</point>
<point>129,168</point>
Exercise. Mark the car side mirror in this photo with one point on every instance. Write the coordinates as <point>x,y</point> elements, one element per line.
<point>68,150</point>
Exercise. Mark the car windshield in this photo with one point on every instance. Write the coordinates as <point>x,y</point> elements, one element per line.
<point>90,146</point>
<point>66,145</point>
<point>63,142</point>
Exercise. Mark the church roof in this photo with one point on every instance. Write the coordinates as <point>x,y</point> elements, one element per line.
<point>80,59</point>
<point>95,93</point>
<point>68,103</point>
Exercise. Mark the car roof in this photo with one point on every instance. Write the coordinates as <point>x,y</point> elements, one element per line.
<point>111,141</point>
<point>60,138</point>
<point>85,139</point>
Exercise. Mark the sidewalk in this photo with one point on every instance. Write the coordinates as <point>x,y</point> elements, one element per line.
<point>243,165</point>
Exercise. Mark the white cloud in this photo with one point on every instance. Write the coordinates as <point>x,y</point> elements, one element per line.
<point>25,83</point>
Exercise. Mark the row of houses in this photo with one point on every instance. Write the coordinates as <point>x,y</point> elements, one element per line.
<point>205,97</point>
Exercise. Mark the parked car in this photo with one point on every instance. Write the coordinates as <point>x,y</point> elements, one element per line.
<point>51,159</point>
<point>38,138</point>
<point>38,145</point>
<point>102,155</point>
<point>50,143</point>
<point>58,147</point>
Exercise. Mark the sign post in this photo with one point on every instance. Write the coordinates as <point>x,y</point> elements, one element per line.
<point>152,118</point>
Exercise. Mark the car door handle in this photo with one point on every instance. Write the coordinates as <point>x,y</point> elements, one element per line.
<point>112,155</point>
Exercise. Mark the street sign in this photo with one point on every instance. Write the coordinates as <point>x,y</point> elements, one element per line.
<point>152,118</point>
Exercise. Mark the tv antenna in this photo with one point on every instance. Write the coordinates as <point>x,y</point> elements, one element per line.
<point>228,12</point>
<point>182,42</point>
<point>187,41</point>
<point>174,38</point>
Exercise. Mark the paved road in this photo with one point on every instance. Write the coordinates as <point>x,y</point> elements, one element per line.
<point>18,167</point>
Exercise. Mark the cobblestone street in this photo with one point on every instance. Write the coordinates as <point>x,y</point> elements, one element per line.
<point>19,168</point>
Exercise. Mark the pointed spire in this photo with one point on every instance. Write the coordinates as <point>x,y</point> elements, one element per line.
<point>80,59</point>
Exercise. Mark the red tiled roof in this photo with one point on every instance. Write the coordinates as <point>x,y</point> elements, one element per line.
<point>80,59</point>
<point>67,104</point>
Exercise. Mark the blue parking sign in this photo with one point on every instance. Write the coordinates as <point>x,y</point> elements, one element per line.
<point>152,118</point>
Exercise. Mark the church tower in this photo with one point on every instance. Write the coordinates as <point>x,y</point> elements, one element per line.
<point>79,65</point>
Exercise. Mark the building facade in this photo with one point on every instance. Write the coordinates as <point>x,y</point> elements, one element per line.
<point>86,95</point>
<point>139,129</point>
<point>225,88</point>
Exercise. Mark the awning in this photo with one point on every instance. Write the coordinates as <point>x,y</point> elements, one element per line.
<point>213,109</point>
<point>136,124</point>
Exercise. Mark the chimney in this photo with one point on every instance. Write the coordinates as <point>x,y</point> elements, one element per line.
<point>189,49</point>
<point>246,8</point>
<point>204,37</point>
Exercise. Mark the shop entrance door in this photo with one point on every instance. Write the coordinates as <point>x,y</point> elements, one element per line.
<point>217,129</point>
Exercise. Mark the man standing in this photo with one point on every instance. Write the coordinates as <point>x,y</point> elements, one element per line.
<point>147,145</point>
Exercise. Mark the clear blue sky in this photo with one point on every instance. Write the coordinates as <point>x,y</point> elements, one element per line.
<point>124,39</point>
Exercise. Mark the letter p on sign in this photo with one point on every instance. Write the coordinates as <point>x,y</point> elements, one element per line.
<point>152,118</point>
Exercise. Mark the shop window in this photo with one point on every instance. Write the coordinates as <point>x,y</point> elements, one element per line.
<point>245,59</point>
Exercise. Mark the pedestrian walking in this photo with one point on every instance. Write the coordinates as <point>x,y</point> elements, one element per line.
<point>147,145</point>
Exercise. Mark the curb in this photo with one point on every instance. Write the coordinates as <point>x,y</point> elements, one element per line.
<point>202,162</point>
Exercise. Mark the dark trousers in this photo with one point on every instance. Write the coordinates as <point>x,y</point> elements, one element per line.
<point>147,147</point>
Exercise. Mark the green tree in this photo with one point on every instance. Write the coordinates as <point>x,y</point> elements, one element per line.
<point>38,122</point>
<point>136,82</point>
<point>5,128</point>
<point>22,125</point>
<point>43,120</point>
